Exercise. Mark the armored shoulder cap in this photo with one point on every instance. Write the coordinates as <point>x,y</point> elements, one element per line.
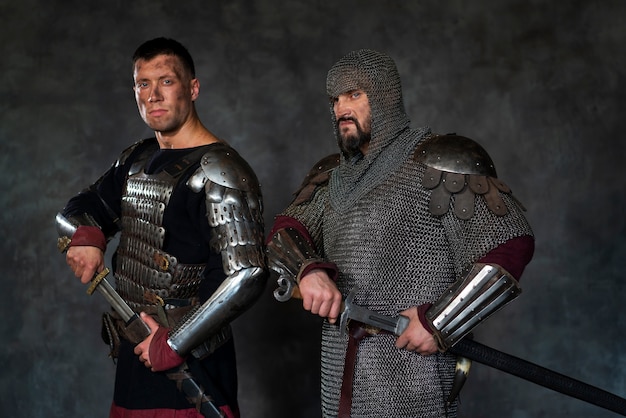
<point>458,166</point>
<point>317,176</point>
<point>455,154</point>
<point>224,166</point>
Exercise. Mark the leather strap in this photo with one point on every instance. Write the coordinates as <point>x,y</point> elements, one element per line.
<point>356,332</point>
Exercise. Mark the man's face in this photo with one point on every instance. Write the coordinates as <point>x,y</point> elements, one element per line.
<point>352,112</point>
<point>164,92</point>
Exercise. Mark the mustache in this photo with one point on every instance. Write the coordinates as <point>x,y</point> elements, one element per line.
<point>345,119</point>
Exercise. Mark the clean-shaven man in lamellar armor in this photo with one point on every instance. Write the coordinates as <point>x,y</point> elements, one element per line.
<point>188,210</point>
<point>420,224</point>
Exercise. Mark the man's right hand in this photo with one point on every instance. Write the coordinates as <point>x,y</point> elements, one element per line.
<point>320,295</point>
<point>85,261</point>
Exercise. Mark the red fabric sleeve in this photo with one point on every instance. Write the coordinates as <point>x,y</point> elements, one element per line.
<point>281,222</point>
<point>513,255</point>
<point>228,412</point>
<point>421,314</point>
<point>162,357</point>
<point>91,236</point>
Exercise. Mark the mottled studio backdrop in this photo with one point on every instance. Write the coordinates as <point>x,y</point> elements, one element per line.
<point>541,84</point>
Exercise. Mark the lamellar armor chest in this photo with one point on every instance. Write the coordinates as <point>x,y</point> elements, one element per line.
<point>145,273</point>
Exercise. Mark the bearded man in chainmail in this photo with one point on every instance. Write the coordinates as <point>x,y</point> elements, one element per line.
<point>191,258</point>
<point>420,224</point>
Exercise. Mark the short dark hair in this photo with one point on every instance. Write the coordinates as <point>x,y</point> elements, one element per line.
<point>165,46</point>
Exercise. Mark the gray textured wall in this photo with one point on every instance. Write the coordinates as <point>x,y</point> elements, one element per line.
<point>539,83</point>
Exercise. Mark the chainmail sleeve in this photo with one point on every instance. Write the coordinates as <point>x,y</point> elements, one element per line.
<point>295,244</point>
<point>234,211</point>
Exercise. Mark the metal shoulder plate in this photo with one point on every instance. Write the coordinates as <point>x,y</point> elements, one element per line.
<point>458,166</point>
<point>483,290</point>
<point>317,176</point>
<point>222,165</point>
<point>455,154</point>
<point>234,207</point>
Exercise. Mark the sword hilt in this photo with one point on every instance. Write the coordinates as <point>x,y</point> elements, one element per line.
<point>97,279</point>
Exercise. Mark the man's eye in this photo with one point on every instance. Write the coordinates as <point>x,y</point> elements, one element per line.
<point>356,94</point>
<point>167,82</point>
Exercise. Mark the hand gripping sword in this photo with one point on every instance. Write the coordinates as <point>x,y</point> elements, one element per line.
<point>507,363</point>
<point>475,351</point>
<point>139,330</point>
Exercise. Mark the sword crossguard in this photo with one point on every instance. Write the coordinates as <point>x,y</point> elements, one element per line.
<point>347,307</point>
<point>375,322</point>
<point>96,280</point>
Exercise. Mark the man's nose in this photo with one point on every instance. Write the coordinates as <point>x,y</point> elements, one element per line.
<point>155,94</point>
<point>341,108</point>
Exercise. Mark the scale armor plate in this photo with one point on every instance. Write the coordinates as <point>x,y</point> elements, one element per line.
<point>235,213</point>
<point>460,169</point>
<point>144,271</point>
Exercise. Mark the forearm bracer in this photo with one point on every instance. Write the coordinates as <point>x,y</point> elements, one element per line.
<point>483,290</point>
<point>289,253</point>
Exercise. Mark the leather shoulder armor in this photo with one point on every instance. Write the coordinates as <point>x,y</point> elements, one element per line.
<point>460,167</point>
<point>317,176</point>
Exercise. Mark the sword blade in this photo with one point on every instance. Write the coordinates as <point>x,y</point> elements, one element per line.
<point>101,284</point>
<point>539,375</point>
<point>507,363</point>
<point>135,327</point>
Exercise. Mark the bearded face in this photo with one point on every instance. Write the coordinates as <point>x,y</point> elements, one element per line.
<point>353,140</point>
<point>354,120</point>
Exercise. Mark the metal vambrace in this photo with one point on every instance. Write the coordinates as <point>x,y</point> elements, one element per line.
<point>469,301</point>
<point>236,294</point>
<point>289,253</point>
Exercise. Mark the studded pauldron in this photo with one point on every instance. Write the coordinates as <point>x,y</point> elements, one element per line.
<point>459,167</point>
<point>234,207</point>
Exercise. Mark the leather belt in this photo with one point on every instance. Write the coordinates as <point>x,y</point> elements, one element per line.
<point>356,332</point>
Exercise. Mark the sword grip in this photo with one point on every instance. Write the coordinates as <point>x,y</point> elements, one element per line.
<point>297,295</point>
<point>136,329</point>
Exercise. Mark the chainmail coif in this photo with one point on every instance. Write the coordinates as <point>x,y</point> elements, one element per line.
<point>376,74</point>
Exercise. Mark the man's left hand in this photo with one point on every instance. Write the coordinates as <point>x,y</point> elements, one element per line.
<point>154,352</point>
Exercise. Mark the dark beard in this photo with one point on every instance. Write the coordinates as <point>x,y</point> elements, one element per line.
<point>350,145</point>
